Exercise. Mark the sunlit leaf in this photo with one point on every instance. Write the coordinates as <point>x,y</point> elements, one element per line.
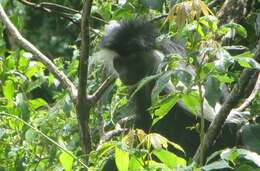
<point>135,163</point>
<point>66,161</point>
<point>163,107</point>
<point>37,103</point>
<point>8,89</point>
<point>122,159</point>
<point>170,159</point>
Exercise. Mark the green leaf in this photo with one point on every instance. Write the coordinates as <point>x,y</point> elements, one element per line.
<point>37,103</point>
<point>191,102</point>
<point>8,89</point>
<point>184,76</point>
<point>143,82</point>
<point>224,60</point>
<point>246,54</point>
<point>210,22</point>
<point>163,107</point>
<point>135,163</point>
<point>34,69</point>
<point>35,84</point>
<point>24,60</point>
<point>66,161</point>
<point>245,154</point>
<point>239,29</point>
<point>160,84</point>
<point>106,148</point>
<point>22,106</point>
<point>251,137</point>
<point>30,135</point>
<point>248,62</point>
<point>169,159</point>
<point>2,132</point>
<point>246,167</point>
<point>67,107</point>
<point>221,164</point>
<point>213,92</point>
<point>122,159</point>
<point>225,78</point>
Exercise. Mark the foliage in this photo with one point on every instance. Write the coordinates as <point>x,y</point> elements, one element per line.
<point>38,125</point>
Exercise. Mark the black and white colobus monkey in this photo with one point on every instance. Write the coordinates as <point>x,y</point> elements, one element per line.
<point>131,47</point>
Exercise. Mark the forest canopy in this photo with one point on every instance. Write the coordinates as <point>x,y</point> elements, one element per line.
<point>66,105</point>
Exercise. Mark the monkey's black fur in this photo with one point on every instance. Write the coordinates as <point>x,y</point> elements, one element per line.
<point>131,36</point>
<point>134,44</point>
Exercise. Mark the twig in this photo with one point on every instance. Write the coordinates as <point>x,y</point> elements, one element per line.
<point>118,129</point>
<point>20,40</point>
<point>214,3</point>
<point>54,9</point>
<point>252,96</point>
<point>110,134</point>
<point>158,18</point>
<point>46,137</point>
<point>60,10</point>
<point>99,92</point>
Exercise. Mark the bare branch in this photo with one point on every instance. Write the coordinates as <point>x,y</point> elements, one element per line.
<point>252,96</point>
<point>158,18</point>
<point>59,10</point>
<point>118,129</point>
<point>21,41</point>
<point>83,105</point>
<point>110,134</point>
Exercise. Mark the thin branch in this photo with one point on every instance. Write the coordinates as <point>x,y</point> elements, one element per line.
<point>252,96</point>
<point>58,7</point>
<point>20,40</point>
<point>118,129</point>
<point>83,105</point>
<point>61,147</point>
<point>60,10</point>
<point>220,118</point>
<point>54,9</point>
<point>110,134</point>
<point>99,92</point>
<point>159,17</point>
<point>215,3</point>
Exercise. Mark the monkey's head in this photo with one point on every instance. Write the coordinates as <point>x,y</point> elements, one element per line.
<point>133,46</point>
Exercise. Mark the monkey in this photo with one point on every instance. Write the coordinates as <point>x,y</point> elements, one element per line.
<point>132,52</point>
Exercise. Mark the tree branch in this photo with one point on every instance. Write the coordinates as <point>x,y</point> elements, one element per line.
<point>99,92</point>
<point>232,10</point>
<point>21,41</point>
<point>83,104</point>
<point>252,96</point>
<point>233,99</point>
<point>59,10</point>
